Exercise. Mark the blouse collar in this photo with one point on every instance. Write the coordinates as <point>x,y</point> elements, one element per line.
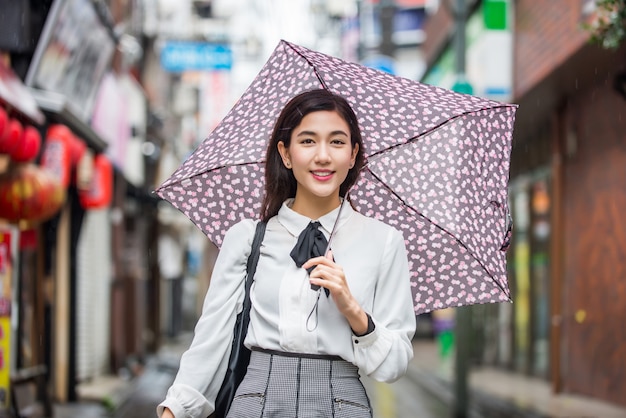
<point>295,222</point>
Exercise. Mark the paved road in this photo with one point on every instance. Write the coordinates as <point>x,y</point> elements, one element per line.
<point>402,399</point>
<point>150,390</point>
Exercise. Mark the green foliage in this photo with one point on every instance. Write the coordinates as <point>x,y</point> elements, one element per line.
<point>608,28</point>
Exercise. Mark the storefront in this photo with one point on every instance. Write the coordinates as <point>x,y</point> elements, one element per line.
<point>566,185</point>
<point>568,174</point>
<point>525,348</point>
<point>29,196</point>
<point>71,262</point>
<point>73,52</point>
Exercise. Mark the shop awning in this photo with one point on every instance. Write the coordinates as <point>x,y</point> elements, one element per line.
<point>56,106</point>
<point>17,96</point>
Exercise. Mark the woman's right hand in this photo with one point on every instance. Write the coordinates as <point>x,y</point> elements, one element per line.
<point>331,276</point>
<point>167,414</point>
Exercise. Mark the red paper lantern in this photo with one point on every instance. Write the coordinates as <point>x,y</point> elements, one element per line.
<point>56,157</point>
<point>29,147</point>
<point>29,193</point>
<point>28,239</point>
<point>77,149</point>
<point>4,125</point>
<point>100,191</point>
<point>12,138</point>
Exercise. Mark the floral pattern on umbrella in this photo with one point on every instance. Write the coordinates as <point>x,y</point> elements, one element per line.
<point>437,169</point>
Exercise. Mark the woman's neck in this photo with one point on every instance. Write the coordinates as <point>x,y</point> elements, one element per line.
<point>314,207</point>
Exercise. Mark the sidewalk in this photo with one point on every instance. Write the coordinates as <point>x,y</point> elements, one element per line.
<point>494,392</point>
<point>118,397</point>
<point>97,399</point>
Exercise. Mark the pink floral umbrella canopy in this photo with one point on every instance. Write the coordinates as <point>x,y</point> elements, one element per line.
<point>438,167</point>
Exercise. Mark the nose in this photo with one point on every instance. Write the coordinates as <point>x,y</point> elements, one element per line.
<point>323,153</point>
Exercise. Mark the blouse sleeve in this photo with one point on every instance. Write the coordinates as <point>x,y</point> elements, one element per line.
<point>384,354</point>
<point>203,365</point>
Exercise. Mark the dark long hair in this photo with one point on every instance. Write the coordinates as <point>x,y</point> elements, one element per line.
<point>280,182</point>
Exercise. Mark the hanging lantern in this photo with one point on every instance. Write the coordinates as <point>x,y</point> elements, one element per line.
<point>56,156</point>
<point>29,193</point>
<point>100,190</point>
<point>29,146</point>
<point>12,138</point>
<point>77,148</point>
<point>4,125</point>
<point>84,171</point>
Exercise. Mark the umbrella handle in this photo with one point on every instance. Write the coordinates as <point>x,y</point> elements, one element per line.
<point>332,233</point>
<point>330,239</point>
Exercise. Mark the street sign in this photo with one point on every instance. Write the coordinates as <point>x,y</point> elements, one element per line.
<point>382,63</point>
<point>179,56</point>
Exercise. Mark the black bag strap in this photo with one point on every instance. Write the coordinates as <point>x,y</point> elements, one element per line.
<point>253,259</point>
<point>240,355</point>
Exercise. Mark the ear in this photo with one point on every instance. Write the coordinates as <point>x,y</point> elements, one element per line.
<point>355,151</point>
<point>284,154</point>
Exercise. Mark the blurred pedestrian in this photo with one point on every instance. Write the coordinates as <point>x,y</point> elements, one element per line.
<point>443,325</point>
<point>319,318</point>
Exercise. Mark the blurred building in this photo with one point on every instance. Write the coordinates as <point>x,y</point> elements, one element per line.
<point>567,183</point>
<point>85,280</point>
<point>114,94</point>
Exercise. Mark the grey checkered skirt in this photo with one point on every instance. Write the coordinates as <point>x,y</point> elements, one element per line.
<point>288,386</point>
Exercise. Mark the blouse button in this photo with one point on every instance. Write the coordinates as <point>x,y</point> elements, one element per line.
<point>356,341</point>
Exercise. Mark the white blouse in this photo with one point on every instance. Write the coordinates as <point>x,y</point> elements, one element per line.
<point>374,260</point>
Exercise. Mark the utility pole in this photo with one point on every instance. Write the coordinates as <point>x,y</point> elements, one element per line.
<point>463,315</point>
<point>387,11</point>
<point>461,84</point>
<point>463,336</point>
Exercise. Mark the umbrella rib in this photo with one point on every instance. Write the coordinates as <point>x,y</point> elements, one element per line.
<point>434,128</point>
<point>209,170</point>
<point>441,228</point>
<point>317,74</point>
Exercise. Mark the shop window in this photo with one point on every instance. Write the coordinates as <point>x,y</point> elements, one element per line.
<point>526,347</point>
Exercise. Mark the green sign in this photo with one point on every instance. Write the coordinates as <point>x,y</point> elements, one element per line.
<point>495,14</point>
<point>461,85</point>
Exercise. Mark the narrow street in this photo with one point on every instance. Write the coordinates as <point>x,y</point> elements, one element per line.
<point>150,390</point>
<point>401,399</point>
<point>421,393</point>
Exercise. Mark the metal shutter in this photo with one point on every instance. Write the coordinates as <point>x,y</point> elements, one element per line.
<point>93,289</point>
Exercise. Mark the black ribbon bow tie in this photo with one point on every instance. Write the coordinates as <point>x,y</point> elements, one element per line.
<point>311,243</point>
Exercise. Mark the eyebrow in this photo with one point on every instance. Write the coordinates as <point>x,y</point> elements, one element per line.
<point>311,133</point>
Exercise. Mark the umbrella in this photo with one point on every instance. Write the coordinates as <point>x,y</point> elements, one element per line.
<point>437,169</point>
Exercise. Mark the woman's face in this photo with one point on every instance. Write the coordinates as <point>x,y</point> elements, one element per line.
<point>320,155</point>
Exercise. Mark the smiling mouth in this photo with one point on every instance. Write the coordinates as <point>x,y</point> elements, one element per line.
<point>322,174</point>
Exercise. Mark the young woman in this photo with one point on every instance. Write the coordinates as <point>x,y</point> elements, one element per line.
<point>308,346</point>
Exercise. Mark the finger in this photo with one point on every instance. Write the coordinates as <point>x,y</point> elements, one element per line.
<point>316,261</point>
<point>321,272</point>
<point>327,284</point>
<point>329,275</point>
<point>327,270</point>
<point>329,255</point>
<point>335,286</point>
